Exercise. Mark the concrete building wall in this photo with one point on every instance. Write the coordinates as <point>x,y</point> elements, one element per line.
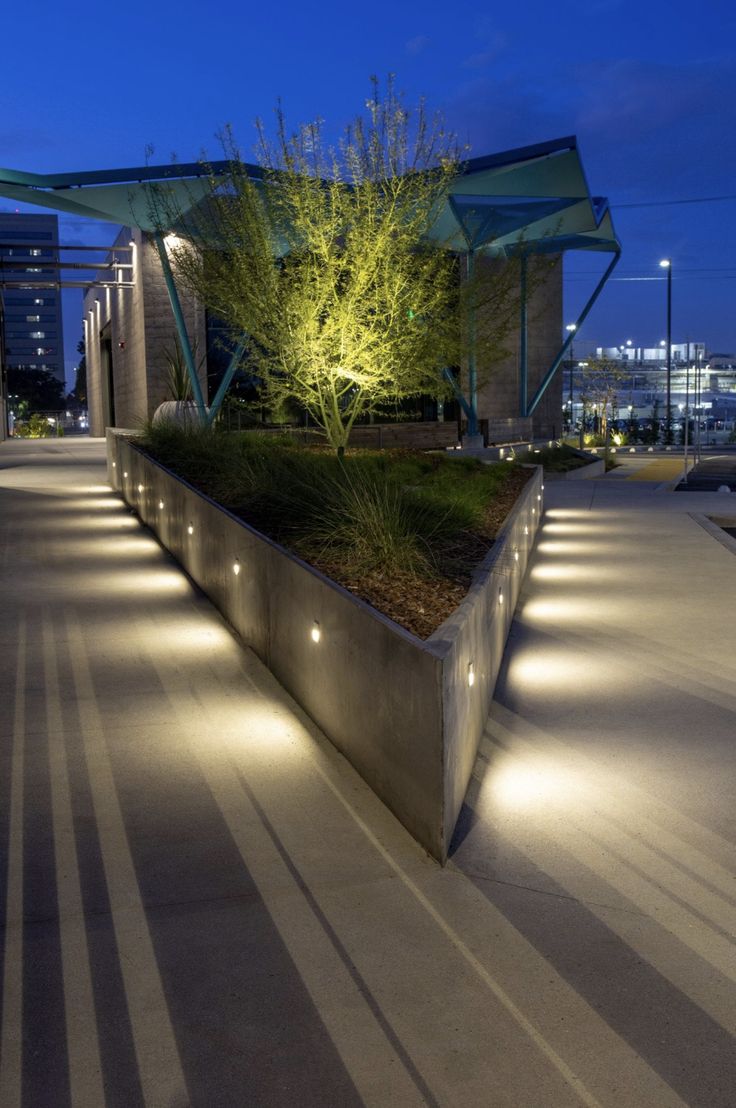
<point>498,391</point>
<point>133,327</point>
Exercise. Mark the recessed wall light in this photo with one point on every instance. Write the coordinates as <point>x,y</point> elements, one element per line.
<point>236,566</point>
<point>315,633</point>
<point>471,674</point>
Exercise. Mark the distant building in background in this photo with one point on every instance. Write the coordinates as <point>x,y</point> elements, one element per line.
<point>702,384</point>
<point>29,289</point>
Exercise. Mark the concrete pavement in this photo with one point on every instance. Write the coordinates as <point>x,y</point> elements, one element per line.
<point>206,906</point>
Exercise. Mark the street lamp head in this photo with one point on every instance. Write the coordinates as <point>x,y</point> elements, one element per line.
<point>571,326</point>
<point>665,263</point>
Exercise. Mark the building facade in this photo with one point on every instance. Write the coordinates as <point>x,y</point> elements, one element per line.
<point>29,259</point>
<point>129,333</point>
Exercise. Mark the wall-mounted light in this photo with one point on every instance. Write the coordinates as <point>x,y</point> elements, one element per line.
<point>539,496</point>
<point>236,566</point>
<point>160,505</point>
<point>114,465</point>
<point>500,596</point>
<point>140,488</point>
<point>125,473</point>
<point>190,529</point>
<point>516,555</point>
<point>315,634</point>
<point>471,674</point>
<point>526,530</point>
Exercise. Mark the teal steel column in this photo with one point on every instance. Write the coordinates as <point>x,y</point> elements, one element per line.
<point>472,367</point>
<point>225,383</point>
<point>181,326</point>
<point>523,340</point>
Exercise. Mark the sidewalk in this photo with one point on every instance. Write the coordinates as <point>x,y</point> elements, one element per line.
<point>206,906</point>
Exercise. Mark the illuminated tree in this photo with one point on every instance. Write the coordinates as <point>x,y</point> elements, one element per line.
<point>321,259</point>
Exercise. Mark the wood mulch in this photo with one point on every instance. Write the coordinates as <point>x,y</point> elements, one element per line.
<point>421,604</point>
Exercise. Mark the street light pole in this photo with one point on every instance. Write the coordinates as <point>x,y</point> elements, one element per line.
<point>666,263</point>
<point>572,328</point>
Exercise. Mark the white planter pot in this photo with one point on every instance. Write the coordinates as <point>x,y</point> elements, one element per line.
<point>181,412</point>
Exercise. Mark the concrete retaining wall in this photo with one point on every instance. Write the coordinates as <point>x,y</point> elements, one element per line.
<point>401,710</point>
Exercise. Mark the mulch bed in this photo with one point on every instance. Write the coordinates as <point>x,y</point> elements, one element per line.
<point>421,604</point>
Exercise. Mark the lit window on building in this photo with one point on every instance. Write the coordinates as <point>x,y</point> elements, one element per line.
<point>34,319</point>
<point>38,334</point>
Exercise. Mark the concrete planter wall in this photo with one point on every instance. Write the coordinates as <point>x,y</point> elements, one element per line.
<point>407,714</point>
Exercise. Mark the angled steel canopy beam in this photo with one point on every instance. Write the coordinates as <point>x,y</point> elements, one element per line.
<point>181,327</point>
<point>225,383</point>
<point>458,393</point>
<point>528,409</point>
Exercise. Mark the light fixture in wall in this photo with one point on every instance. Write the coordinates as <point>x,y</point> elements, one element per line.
<point>471,674</point>
<point>114,465</point>
<point>500,596</point>
<point>526,530</point>
<point>160,505</point>
<point>516,555</point>
<point>125,473</point>
<point>236,566</point>
<point>140,488</point>
<point>315,633</point>
<point>539,496</point>
<point>190,529</point>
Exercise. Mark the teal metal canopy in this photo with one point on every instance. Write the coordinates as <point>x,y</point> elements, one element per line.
<point>529,200</point>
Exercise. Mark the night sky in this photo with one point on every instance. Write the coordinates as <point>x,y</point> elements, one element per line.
<point>649,88</point>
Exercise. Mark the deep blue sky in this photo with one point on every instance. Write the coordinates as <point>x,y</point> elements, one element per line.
<point>649,88</point>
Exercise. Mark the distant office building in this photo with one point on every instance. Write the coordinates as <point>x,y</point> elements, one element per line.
<point>29,288</point>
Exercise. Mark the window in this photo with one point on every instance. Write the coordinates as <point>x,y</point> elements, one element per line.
<point>38,301</point>
<point>34,319</point>
<point>38,335</point>
<point>34,252</point>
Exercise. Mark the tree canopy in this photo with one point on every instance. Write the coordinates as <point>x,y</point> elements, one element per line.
<point>321,259</point>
